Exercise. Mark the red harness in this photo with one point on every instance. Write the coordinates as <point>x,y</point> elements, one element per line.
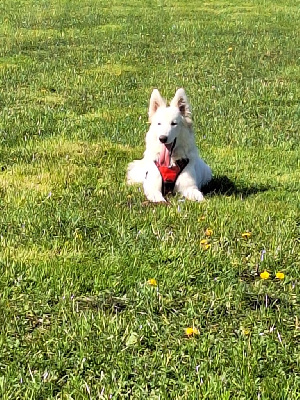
<point>170,174</point>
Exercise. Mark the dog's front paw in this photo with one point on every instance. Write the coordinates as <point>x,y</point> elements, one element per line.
<point>193,194</point>
<point>156,197</point>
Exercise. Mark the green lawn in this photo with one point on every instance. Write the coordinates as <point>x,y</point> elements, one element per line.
<point>78,318</point>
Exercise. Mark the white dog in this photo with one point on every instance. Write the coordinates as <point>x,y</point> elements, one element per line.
<point>171,162</point>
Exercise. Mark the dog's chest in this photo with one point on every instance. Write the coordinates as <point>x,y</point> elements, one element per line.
<point>170,174</point>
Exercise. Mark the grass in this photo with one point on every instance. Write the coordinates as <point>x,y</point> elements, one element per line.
<point>78,246</point>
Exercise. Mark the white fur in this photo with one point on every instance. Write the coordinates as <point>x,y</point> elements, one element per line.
<point>173,121</point>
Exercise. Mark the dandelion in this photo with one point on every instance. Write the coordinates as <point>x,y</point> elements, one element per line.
<point>264,275</point>
<point>152,282</point>
<point>229,49</point>
<point>191,331</point>
<point>205,244</point>
<point>280,275</point>
<point>246,235</point>
<point>246,332</point>
<point>208,232</point>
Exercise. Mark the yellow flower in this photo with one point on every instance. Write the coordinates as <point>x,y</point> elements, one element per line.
<point>246,332</point>
<point>229,49</point>
<point>246,235</point>
<point>152,282</point>
<point>191,331</point>
<point>264,275</point>
<point>208,232</point>
<point>204,244</point>
<point>279,275</point>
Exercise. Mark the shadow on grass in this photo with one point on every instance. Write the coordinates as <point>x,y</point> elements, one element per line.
<point>258,301</point>
<point>222,185</point>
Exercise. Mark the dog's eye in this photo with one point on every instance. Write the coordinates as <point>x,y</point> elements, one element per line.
<point>159,123</point>
<point>173,123</point>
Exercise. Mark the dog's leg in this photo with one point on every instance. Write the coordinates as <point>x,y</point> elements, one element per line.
<point>193,193</point>
<point>153,184</point>
<point>186,184</point>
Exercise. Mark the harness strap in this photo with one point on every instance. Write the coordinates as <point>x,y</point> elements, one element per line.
<point>170,174</point>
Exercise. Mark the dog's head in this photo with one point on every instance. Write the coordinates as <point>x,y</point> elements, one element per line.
<point>168,122</point>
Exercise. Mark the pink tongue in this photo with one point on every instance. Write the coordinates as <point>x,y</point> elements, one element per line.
<point>164,157</point>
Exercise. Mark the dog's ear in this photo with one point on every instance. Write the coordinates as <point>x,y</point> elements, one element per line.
<point>181,101</point>
<point>155,101</point>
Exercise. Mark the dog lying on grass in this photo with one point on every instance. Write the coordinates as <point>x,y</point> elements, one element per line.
<point>171,162</point>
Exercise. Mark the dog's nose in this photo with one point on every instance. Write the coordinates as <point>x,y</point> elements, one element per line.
<point>163,138</point>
